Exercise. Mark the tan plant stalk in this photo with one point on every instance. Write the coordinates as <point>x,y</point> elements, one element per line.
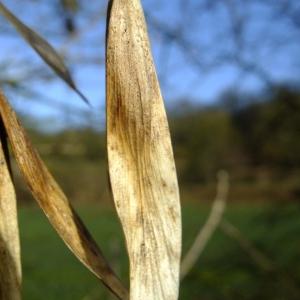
<point>207,231</point>
<point>140,156</point>
<point>10,262</point>
<point>55,204</point>
<point>260,259</point>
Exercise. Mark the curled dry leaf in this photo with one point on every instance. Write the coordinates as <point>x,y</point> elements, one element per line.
<point>141,163</point>
<point>43,48</point>
<point>55,204</point>
<point>10,262</point>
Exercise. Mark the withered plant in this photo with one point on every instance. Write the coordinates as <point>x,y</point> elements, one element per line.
<point>140,161</point>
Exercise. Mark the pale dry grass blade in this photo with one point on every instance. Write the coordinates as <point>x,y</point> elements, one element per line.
<point>43,48</point>
<point>55,204</point>
<point>140,156</point>
<point>10,261</point>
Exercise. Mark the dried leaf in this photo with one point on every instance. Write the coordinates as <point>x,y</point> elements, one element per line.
<point>141,163</point>
<point>55,204</point>
<point>43,48</point>
<point>10,261</point>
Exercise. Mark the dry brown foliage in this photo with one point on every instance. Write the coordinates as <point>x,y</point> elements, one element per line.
<point>140,156</point>
<point>141,166</point>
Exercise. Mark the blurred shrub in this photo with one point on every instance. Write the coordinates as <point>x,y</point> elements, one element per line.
<point>204,141</point>
<point>271,129</point>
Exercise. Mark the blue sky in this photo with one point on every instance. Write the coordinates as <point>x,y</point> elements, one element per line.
<point>272,42</point>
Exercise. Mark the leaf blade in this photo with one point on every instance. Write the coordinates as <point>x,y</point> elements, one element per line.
<point>10,260</point>
<point>43,49</point>
<point>140,156</point>
<point>55,204</point>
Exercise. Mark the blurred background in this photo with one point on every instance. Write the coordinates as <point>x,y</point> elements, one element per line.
<point>230,75</point>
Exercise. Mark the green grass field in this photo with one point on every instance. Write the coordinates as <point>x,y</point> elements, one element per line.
<point>224,271</point>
